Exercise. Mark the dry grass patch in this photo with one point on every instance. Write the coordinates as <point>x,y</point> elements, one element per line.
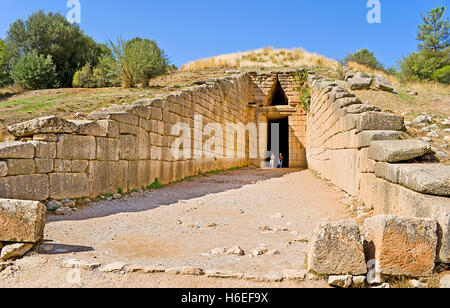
<point>268,57</point>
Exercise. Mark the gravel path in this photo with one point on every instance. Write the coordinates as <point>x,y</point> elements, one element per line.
<point>274,211</point>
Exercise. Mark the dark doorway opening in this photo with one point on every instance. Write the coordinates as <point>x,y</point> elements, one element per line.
<point>283,139</point>
<point>277,96</point>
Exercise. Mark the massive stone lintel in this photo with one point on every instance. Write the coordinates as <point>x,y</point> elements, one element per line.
<point>43,125</point>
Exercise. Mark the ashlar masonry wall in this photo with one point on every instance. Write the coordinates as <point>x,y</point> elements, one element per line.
<point>125,147</point>
<point>359,149</point>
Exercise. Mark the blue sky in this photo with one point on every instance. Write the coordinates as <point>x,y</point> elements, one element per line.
<point>189,30</point>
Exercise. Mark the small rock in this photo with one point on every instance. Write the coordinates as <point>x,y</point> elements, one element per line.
<point>173,271</point>
<point>423,119</point>
<point>312,277</point>
<point>235,250</point>
<point>70,204</point>
<point>382,286</point>
<point>359,282</point>
<point>191,271</point>
<point>63,211</point>
<point>217,251</point>
<point>426,139</point>
<point>442,155</point>
<point>113,267</point>
<point>273,252</point>
<point>445,282</point>
<point>15,251</point>
<point>434,134</point>
<point>418,285</point>
<point>81,264</point>
<point>152,269</point>
<point>223,274</point>
<point>117,196</point>
<point>269,277</point>
<point>413,93</point>
<point>290,274</point>
<point>53,204</point>
<point>447,130</point>
<point>258,251</point>
<point>343,282</point>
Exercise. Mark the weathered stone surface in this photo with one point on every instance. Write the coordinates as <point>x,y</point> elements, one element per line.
<point>291,274</point>
<point>107,149</point>
<point>113,267</point>
<point>379,121</point>
<point>336,249</point>
<point>21,221</point>
<point>68,185</point>
<point>343,282</point>
<point>43,125</point>
<point>79,166</point>
<point>383,84</point>
<point>79,264</point>
<point>393,151</point>
<point>16,149</point>
<point>433,179</point>
<point>76,147</point>
<point>44,165</point>
<point>3,169</point>
<point>401,246</point>
<point>122,117</point>
<point>361,108</point>
<point>360,82</point>
<point>366,137</point>
<point>15,251</point>
<point>45,137</point>
<point>25,187</point>
<point>111,127</point>
<point>128,147</point>
<point>359,282</point>
<point>104,178</point>
<point>443,219</point>
<point>20,166</point>
<point>223,274</point>
<point>90,128</point>
<point>44,149</point>
<point>445,282</point>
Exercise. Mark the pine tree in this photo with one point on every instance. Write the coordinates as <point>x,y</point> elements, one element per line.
<point>435,30</point>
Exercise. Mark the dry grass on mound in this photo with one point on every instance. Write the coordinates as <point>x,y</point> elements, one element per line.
<point>263,58</point>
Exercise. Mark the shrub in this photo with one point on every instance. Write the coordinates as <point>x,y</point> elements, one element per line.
<point>422,65</point>
<point>139,60</point>
<point>301,81</point>
<point>364,57</point>
<point>442,75</point>
<point>35,72</point>
<point>84,78</point>
<point>106,73</point>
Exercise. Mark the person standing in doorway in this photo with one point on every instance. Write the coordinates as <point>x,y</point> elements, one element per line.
<point>272,161</point>
<point>280,161</point>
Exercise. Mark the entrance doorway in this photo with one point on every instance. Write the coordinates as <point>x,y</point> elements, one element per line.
<point>282,137</point>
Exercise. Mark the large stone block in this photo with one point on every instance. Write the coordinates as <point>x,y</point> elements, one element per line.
<point>90,128</point>
<point>44,149</point>
<point>111,127</point>
<point>128,147</point>
<point>45,125</point>
<point>380,121</point>
<point>401,246</point>
<point>21,166</point>
<point>21,221</point>
<point>393,151</point>
<point>16,150</point>
<point>69,185</point>
<point>366,137</point>
<point>433,179</point>
<point>75,147</point>
<point>108,148</point>
<point>25,187</point>
<point>122,117</point>
<point>103,178</point>
<point>44,165</point>
<point>336,249</point>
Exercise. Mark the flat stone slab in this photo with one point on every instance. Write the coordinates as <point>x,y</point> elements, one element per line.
<point>365,138</point>
<point>401,246</point>
<point>393,151</point>
<point>21,221</point>
<point>432,179</point>
<point>16,149</point>
<point>43,125</point>
<point>336,249</point>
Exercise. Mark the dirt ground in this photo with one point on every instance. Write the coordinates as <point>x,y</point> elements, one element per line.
<point>179,225</point>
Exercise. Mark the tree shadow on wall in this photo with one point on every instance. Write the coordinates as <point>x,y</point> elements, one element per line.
<point>187,190</point>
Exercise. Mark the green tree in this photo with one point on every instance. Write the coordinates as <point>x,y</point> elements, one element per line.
<point>33,71</point>
<point>106,74</point>
<point>364,57</point>
<point>434,33</point>
<point>51,34</point>
<point>139,60</point>
<point>5,57</point>
<point>423,64</point>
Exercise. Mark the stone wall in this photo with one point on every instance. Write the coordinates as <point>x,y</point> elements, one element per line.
<point>359,149</point>
<point>125,147</point>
